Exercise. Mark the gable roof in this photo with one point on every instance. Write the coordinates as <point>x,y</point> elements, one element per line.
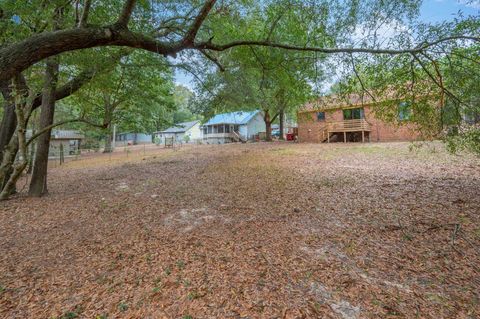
<point>237,118</point>
<point>67,134</point>
<point>334,101</point>
<point>353,100</point>
<point>180,127</point>
<point>61,135</point>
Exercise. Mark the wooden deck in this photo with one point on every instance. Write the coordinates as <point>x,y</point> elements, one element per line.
<point>348,126</point>
<point>345,126</point>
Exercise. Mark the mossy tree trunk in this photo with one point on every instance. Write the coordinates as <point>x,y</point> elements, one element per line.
<point>38,184</point>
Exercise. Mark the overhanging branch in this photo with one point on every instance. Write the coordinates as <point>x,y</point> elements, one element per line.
<point>17,57</point>
<point>216,47</point>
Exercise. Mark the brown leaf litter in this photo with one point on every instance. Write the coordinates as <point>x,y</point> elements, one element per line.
<point>248,231</point>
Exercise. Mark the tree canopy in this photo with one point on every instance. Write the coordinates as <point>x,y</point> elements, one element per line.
<point>170,27</point>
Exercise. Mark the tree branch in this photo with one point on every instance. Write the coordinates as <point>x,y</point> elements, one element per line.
<point>126,13</point>
<point>274,117</point>
<point>85,12</point>
<point>360,80</point>
<point>430,75</point>
<point>18,56</point>
<point>68,88</point>
<point>209,45</point>
<point>213,59</point>
<point>197,23</point>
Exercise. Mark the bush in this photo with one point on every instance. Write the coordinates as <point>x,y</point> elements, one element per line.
<point>464,139</point>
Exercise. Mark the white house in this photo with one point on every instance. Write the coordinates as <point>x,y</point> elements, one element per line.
<point>234,126</point>
<point>188,132</point>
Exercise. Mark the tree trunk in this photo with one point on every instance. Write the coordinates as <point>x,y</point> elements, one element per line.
<point>6,169</point>
<point>31,157</point>
<point>38,184</point>
<point>282,123</point>
<point>9,123</point>
<point>18,142</point>
<point>107,118</point>
<point>35,123</point>
<point>8,127</point>
<point>10,171</point>
<point>268,127</point>
<point>9,119</point>
<point>108,142</point>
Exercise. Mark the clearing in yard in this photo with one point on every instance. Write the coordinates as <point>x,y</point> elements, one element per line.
<point>269,230</point>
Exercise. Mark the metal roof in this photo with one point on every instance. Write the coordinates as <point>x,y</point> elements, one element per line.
<point>180,127</point>
<point>237,118</point>
<point>61,135</point>
<point>67,135</point>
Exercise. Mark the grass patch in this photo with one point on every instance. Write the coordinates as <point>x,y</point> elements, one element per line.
<point>180,264</point>
<point>69,315</point>
<point>193,295</point>
<point>122,306</point>
<point>284,151</point>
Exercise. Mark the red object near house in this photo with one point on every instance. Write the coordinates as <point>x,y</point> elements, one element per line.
<point>290,136</point>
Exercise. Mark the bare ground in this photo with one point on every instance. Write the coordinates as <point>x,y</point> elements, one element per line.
<point>248,231</point>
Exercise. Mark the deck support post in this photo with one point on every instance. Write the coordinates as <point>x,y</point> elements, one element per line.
<point>328,137</point>
<point>363,136</point>
<point>344,137</point>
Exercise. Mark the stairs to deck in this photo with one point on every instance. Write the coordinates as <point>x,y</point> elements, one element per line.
<point>237,138</point>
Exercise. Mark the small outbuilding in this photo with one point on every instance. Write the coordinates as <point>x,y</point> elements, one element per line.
<point>66,141</point>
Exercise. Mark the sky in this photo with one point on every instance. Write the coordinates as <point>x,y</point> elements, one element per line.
<point>431,11</point>
<point>439,10</point>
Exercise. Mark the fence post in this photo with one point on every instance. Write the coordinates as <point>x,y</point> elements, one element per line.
<point>62,158</point>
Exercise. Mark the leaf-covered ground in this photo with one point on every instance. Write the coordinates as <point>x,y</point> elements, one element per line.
<point>248,231</point>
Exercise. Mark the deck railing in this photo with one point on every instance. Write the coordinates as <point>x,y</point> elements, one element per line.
<point>234,136</point>
<point>218,135</point>
<point>348,126</point>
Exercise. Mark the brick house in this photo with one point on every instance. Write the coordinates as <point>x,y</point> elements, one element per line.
<point>351,119</point>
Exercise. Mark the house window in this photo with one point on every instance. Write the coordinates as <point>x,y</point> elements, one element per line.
<point>205,130</point>
<point>227,128</point>
<point>220,128</point>
<point>320,116</point>
<point>404,111</point>
<point>209,130</point>
<point>353,114</point>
